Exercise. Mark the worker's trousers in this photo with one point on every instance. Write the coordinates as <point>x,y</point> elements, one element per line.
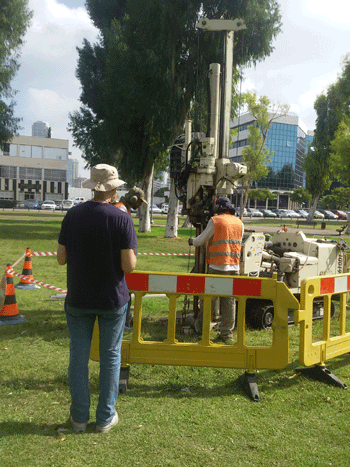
<point>227,309</point>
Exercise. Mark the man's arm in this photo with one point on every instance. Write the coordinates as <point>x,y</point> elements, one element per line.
<point>128,260</point>
<point>61,254</point>
<point>205,236</point>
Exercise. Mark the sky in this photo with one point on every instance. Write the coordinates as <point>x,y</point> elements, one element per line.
<point>307,58</point>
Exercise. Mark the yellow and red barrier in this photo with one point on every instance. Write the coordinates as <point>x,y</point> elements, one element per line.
<point>329,346</point>
<point>205,352</point>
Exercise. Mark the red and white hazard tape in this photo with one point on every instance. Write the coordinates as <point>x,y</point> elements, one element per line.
<point>40,283</point>
<point>187,284</point>
<point>44,253</point>
<point>53,253</point>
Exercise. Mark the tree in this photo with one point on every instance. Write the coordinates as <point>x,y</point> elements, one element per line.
<point>261,194</point>
<point>256,156</point>
<point>339,198</point>
<point>139,80</point>
<point>14,21</point>
<point>340,147</point>
<point>301,196</point>
<point>319,162</point>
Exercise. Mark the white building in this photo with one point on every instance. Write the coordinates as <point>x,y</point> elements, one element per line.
<point>34,168</point>
<point>40,129</point>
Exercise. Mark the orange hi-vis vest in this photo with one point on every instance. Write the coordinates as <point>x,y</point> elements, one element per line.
<point>119,203</point>
<point>225,246</point>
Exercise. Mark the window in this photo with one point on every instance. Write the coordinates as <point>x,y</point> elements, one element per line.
<point>13,150</point>
<point>55,175</point>
<point>8,171</point>
<point>55,153</point>
<point>37,152</point>
<point>30,173</point>
<point>5,149</point>
<point>25,150</point>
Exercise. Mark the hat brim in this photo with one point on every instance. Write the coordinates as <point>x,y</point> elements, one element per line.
<point>108,186</point>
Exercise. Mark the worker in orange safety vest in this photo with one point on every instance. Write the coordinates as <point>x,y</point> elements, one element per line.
<point>223,234</point>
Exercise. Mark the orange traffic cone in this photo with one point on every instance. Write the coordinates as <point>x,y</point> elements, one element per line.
<point>9,313</point>
<point>27,271</point>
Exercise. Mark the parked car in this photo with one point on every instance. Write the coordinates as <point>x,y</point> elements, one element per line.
<point>341,215</point>
<point>283,213</point>
<point>31,204</point>
<point>318,215</point>
<point>165,208</point>
<point>302,213</point>
<point>238,210</point>
<point>67,204</point>
<point>48,204</point>
<point>79,199</point>
<point>254,212</point>
<point>294,213</point>
<point>328,214</point>
<point>268,213</point>
<point>155,209</point>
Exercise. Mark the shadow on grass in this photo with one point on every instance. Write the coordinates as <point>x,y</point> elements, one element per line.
<point>51,430</point>
<point>50,325</point>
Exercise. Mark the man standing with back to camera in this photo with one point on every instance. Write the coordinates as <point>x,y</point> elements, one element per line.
<point>97,243</point>
<point>223,234</point>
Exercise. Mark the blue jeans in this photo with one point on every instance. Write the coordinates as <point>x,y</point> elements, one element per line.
<point>80,325</point>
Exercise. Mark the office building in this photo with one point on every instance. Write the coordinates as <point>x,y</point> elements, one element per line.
<point>288,138</point>
<point>41,130</point>
<point>34,168</point>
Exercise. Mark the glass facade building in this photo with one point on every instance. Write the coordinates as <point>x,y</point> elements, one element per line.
<point>288,138</point>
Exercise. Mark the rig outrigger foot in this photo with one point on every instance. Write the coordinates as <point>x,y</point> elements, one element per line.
<point>248,383</point>
<point>321,373</point>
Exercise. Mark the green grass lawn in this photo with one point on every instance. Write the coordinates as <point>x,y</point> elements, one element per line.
<point>170,416</point>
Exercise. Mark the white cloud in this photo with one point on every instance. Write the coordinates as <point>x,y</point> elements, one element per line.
<point>50,104</point>
<point>336,12</point>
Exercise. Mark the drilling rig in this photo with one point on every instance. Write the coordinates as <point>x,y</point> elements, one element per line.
<point>203,170</point>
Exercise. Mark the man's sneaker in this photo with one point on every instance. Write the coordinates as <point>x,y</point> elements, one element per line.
<point>77,427</point>
<point>111,424</point>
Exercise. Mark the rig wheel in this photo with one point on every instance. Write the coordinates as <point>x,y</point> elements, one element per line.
<point>259,314</point>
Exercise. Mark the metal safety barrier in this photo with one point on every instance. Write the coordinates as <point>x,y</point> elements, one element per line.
<point>205,352</point>
<point>330,346</point>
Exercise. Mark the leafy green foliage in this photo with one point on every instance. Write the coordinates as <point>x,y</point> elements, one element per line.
<point>301,196</point>
<point>328,154</point>
<point>261,194</point>
<point>340,147</point>
<point>14,21</point>
<point>339,198</point>
<point>149,68</point>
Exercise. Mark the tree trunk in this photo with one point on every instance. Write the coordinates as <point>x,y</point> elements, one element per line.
<point>144,214</point>
<point>244,199</point>
<point>187,223</point>
<point>172,217</point>
<point>312,209</point>
<point>348,221</point>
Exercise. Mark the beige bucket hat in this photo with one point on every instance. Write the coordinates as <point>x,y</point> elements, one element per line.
<point>103,177</point>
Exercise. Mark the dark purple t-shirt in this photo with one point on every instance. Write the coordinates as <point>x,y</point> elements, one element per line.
<point>93,234</point>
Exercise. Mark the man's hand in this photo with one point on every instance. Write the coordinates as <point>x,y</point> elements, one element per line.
<point>190,241</point>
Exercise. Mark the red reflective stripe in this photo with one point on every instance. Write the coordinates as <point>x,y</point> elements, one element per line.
<point>137,281</point>
<point>187,284</point>
<point>247,287</point>
<point>327,285</point>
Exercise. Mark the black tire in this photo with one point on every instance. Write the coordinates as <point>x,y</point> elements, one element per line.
<point>264,317</point>
<point>259,314</point>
